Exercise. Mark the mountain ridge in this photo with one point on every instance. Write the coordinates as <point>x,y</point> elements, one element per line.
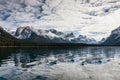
<point>35,37</point>
<point>7,40</point>
<point>38,35</point>
<point>114,38</point>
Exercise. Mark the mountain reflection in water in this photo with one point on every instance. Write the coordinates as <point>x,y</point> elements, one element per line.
<point>84,63</point>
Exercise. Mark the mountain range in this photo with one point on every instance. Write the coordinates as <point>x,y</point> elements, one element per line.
<point>49,36</point>
<point>29,36</point>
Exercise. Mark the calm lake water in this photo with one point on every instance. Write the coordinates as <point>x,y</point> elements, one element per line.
<point>83,63</point>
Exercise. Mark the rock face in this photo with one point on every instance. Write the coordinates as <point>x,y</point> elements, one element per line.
<point>49,36</point>
<point>114,38</point>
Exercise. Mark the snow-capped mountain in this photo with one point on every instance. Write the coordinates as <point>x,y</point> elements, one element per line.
<point>114,38</point>
<point>43,36</point>
<point>69,36</point>
<point>51,35</point>
<point>84,39</point>
<point>93,18</point>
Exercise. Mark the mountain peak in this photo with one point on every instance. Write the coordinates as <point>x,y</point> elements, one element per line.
<point>70,34</point>
<point>114,38</point>
<point>56,32</point>
<point>116,31</point>
<point>24,32</point>
<point>26,27</point>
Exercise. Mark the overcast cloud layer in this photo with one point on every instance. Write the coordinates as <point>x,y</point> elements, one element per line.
<point>94,18</point>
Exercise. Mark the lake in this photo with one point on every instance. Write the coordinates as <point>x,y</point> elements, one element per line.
<point>81,63</point>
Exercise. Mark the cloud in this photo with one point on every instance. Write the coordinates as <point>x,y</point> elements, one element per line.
<point>63,15</point>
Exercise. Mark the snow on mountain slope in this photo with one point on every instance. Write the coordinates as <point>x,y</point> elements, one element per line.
<point>70,36</point>
<point>93,18</point>
<point>33,34</point>
<point>25,32</point>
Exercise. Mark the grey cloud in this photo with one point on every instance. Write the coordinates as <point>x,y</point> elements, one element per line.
<point>12,10</point>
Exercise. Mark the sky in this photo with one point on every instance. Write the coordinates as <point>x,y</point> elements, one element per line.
<point>95,19</point>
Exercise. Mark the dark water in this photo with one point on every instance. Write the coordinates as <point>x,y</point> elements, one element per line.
<point>38,63</point>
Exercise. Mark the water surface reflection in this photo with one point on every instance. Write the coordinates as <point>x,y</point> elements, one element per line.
<point>60,64</point>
